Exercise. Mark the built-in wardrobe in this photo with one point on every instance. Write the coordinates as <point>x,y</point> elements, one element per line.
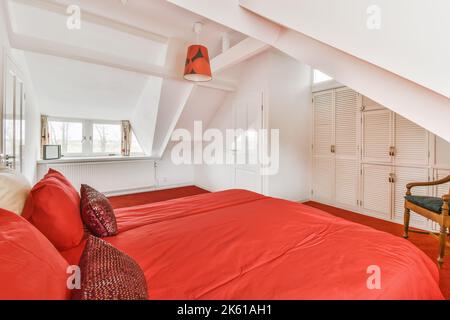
<point>364,155</point>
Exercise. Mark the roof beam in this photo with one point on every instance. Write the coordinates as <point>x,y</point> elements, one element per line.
<point>174,97</point>
<point>61,9</point>
<point>412,101</point>
<point>27,43</point>
<point>242,51</point>
<point>230,14</point>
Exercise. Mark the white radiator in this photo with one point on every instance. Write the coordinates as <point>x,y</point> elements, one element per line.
<point>111,177</point>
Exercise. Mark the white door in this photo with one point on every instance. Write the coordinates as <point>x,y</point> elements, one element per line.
<point>376,189</point>
<point>403,176</point>
<point>346,146</point>
<point>323,147</point>
<point>248,121</point>
<point>411,143</point>
<point>377,133</point>
<point>13,118</point>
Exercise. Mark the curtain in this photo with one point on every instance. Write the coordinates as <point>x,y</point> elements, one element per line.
<point>45,134</point>
<point>126,138</point>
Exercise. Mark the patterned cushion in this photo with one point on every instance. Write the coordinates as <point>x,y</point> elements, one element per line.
<point>109,274</point>
<point>431,203</point>
<point>97,213</point>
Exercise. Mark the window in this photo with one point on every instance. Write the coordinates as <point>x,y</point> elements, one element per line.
<point>319,77</point>
<point>89,137</point>
<point>69,134</point>
<point>106,138</point>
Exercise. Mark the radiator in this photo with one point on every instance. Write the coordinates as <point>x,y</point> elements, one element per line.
<point>109,177</point>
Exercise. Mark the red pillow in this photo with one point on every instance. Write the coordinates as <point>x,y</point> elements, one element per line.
<point>97,213</point>
<point>58,175</point>
<point>30,266</point>
<point>54,208</point>
<point>109,274</point>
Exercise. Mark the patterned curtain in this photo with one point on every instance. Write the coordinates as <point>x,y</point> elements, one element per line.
<point>126,138</point>
<point>45,133</point>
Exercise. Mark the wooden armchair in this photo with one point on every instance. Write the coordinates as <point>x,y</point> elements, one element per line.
<point>433,208</point>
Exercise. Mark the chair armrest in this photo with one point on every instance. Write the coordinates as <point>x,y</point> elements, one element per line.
<point>446,198</point>
<point>409,186</point>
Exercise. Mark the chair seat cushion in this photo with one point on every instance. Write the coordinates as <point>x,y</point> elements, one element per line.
<point>431,203</point>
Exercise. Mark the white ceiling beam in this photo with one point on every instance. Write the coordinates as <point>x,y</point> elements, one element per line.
<point>242,51</point>
<point>173,100</point>
<point>412,101</point>
<point>230,14</point>
<point>27,43</point>
<point>61,9</point>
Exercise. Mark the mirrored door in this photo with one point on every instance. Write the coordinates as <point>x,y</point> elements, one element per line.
<point>13,117</point>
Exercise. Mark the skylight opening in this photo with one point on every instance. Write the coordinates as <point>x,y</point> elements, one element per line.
<point>320,77</point>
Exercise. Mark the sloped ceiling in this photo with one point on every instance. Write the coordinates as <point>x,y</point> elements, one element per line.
<point>69,88</point>
<point>409,42</point>
<point>265,21</point>
<point>125,63</point>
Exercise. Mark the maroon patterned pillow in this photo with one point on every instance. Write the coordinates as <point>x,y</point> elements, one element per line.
<point>109,274</point>
<point>97,213</point>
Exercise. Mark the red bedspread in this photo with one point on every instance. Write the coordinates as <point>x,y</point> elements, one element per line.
<point>240,245</point>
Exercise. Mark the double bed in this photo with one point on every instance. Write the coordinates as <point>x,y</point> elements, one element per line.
<point>237,244</point>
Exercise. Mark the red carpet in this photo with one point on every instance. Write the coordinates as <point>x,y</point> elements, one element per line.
<point>425,242</point>
<point>154,196</point>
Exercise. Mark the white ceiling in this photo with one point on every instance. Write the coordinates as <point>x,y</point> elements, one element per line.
<point>143,33</point>
<point>42,23</point>
<point>160,17</point>
<point>76,89</point>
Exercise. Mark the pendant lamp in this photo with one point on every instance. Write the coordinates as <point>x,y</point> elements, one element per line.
<point>197,67</point>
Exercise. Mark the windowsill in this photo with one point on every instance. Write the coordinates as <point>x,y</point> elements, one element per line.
<point>96,159</point>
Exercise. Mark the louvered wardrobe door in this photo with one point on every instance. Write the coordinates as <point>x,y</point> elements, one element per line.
<point>323,123</point>
<point>442,189</point>
<point>403,176</point>
<point>377,132</point>
<point>411,143</point>
<point>442,153</point>
<point>377,190</point>
<point>346,142</point>
<point>323,158</point>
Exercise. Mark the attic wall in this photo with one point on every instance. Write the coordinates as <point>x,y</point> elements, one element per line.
<point>286,84</point>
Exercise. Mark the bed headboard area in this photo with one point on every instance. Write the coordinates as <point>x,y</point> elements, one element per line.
<point>14,190</point>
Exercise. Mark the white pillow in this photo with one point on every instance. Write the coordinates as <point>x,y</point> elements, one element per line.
<point>14,190</point>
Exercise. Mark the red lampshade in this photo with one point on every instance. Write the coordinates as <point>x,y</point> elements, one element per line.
<point>197,66</point>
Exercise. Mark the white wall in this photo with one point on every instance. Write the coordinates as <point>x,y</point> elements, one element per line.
<point>218,177</point>
<point>287,85</point>
<point>169,174</point>
<point>290,112</point>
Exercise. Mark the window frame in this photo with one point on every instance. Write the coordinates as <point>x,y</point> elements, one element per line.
<point>88,137</point>
<point>91,123</point>
<point>83,133</point>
